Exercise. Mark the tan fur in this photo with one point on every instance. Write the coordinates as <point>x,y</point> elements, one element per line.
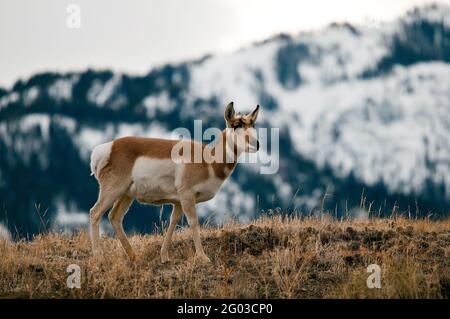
<point>126,150</point>
<point>135,167</point>
<point>245,120</point>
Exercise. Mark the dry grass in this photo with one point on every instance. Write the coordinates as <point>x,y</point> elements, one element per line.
<point>272,258</point>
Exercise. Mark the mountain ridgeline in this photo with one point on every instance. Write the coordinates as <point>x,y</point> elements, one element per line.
<point>363,113</point>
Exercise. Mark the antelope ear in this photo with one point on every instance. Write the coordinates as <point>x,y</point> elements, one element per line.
<point>254,114</point>
<point>229,112</point>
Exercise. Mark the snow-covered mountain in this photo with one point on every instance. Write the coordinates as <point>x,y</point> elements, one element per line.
<point>363,112</point>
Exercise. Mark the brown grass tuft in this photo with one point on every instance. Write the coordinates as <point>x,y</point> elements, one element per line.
<point>276,257</point>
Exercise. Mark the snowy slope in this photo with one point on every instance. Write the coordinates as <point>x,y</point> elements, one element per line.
<point>360,110</point>
<point>392,128</point>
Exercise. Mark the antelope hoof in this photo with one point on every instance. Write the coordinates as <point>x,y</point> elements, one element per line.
<point>202,258</point>
<point>165,257</point>
<point>97,253</point>
<point>133,257</point>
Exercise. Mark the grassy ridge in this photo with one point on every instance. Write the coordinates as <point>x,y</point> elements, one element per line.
<point>272,258</point>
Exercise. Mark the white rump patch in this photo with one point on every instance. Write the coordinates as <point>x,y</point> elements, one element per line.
<point>100,157</point>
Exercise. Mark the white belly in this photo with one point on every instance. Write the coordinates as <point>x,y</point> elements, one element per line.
<point>207,189</point>
<point>153,181</point>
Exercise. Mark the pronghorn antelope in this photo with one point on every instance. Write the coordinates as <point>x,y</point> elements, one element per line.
<point>146,169</point>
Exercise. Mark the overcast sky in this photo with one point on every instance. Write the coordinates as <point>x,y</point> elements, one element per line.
<point>135,35</point>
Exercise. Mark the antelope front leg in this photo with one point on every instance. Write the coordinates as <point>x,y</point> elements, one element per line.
<point>174,217</point>
<point>188,205</point>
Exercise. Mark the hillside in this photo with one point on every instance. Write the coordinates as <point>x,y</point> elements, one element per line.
<point>364,115</point>
<point>274,257</point>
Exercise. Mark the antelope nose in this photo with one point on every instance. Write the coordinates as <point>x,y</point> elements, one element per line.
<point>257,145</point>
